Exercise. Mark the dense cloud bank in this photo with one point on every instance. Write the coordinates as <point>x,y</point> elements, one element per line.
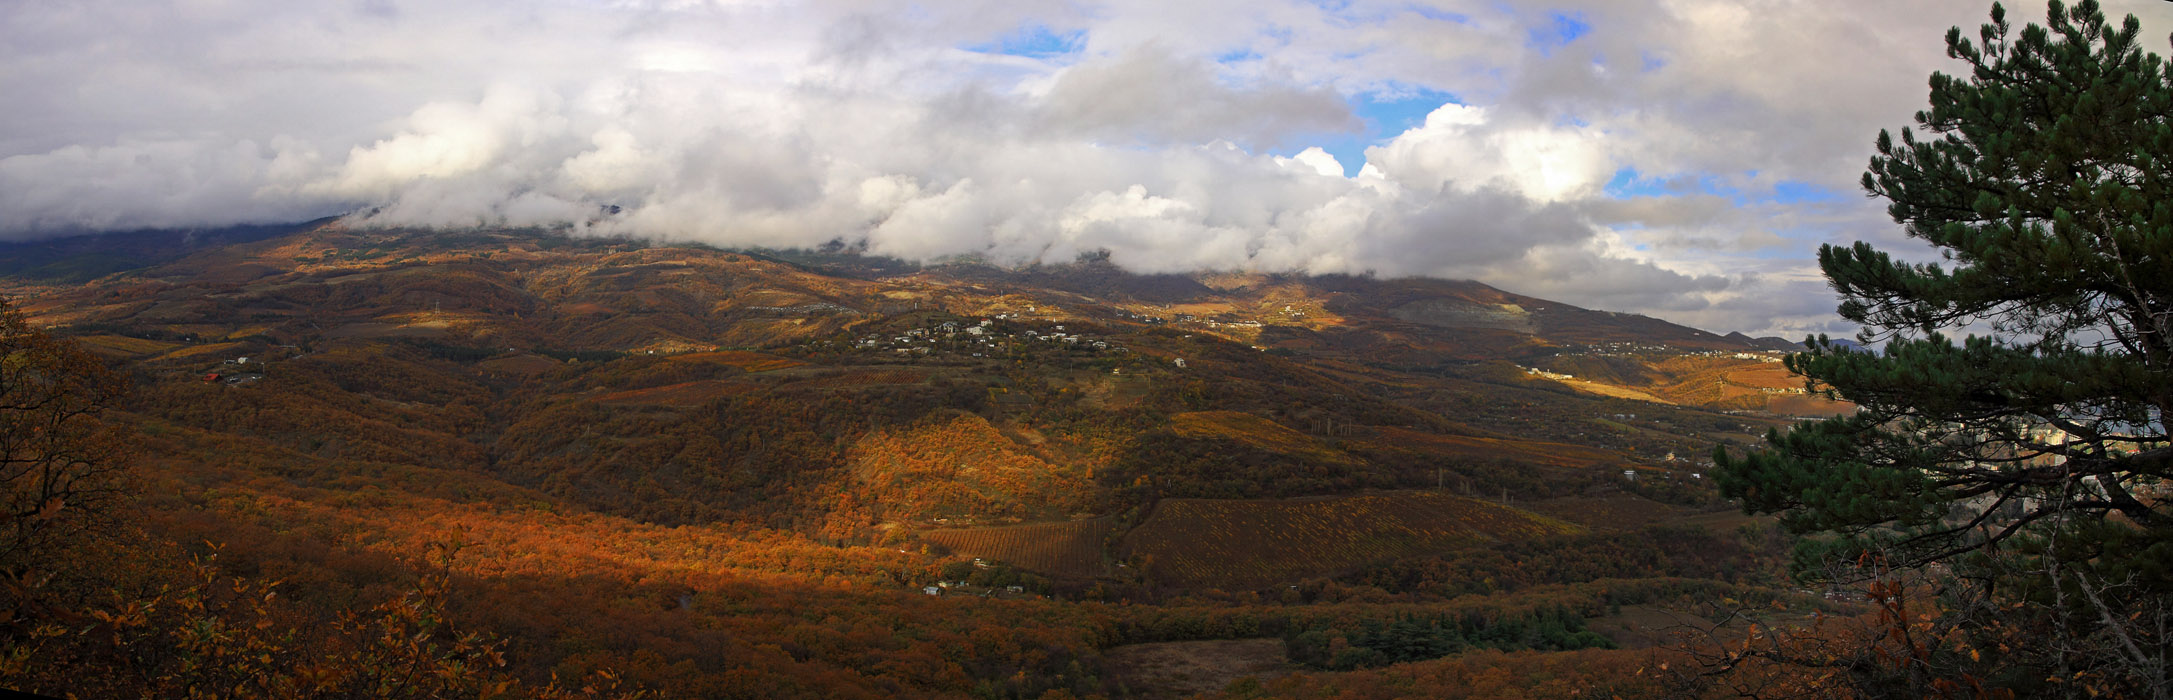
<point>1018,131</point>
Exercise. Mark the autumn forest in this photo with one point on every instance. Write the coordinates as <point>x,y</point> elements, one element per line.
<point>320,462</point>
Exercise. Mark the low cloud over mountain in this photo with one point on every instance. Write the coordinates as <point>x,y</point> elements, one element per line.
<point>1680,159</point>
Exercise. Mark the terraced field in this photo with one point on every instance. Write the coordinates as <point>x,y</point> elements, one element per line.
<point>1255,431</point>
<point>124,346</point>
<point>1553,454</point>
<point>1618,511</point>
<point>1070,549</point>
<point>1248,544</point>
<point>200,352</point>
<point>1803,405</point>
<point>1766,375</point>
<point>749,361</point>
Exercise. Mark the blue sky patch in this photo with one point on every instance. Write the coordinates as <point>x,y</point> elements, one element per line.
<point>1390,114</point>
<point>1034,41</point>
<point>1628,183</point>
<point>1796,192</point>
<point>1561,29</point>
<point>1348,149</point>
<point>1387,114</point>
<point>1651,61</point>
<point>1436,13</point>
<point>1238,56</point>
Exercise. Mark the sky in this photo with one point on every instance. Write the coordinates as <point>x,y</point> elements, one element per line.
<point>1682,159</point>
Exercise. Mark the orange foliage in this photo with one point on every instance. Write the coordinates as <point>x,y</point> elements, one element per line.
<point>955,467</point>
<point>705,532</point>
<point>209,635</point>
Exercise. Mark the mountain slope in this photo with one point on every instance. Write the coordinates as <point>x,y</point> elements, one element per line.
<point>739,473</point>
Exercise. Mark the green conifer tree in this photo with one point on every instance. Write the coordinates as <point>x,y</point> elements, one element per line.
<point>2031,456</point>
<point>2046,182</point>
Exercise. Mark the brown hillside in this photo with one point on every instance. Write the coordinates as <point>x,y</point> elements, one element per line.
<point>1245,544</point>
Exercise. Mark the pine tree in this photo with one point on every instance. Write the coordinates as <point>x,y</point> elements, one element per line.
<point>2032,455</point>
<point>2046,188</point>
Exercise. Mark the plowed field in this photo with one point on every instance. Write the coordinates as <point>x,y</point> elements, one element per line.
<point>1072,549</point>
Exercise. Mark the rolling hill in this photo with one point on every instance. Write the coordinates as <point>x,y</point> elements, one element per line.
<point>728,465</point>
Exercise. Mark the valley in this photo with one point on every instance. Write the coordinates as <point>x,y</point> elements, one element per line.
<point>769,474</point>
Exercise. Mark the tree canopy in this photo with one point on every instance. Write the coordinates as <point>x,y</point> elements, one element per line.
<point>2032,454</point>
<point>2043,180</point>
<point>58,465</point>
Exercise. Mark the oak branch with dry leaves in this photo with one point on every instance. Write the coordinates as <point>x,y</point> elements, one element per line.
<point>60,466</point>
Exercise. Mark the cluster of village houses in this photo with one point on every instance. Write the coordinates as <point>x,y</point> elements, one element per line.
<point>236,372</point>
<point>1629,349</point>
<point>1211,322</point>
<point>980,339</point>
<point>943,587</point>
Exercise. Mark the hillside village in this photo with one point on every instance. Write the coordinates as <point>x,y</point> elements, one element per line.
<point>983,338</point>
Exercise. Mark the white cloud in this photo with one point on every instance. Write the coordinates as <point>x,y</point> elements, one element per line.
<point>1146,129</point>
<point>445,141</point>
<point>1467,147</point>
<point>1315,160</point>
<point>1149,95</point>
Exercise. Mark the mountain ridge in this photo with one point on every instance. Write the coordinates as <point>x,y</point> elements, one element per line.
<point>730,449</point>
<point>1441,303</point>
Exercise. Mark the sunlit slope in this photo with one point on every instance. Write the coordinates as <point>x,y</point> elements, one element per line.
<point>1754,381</point>
<point>1073,549</point>
<point>856,399</point>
